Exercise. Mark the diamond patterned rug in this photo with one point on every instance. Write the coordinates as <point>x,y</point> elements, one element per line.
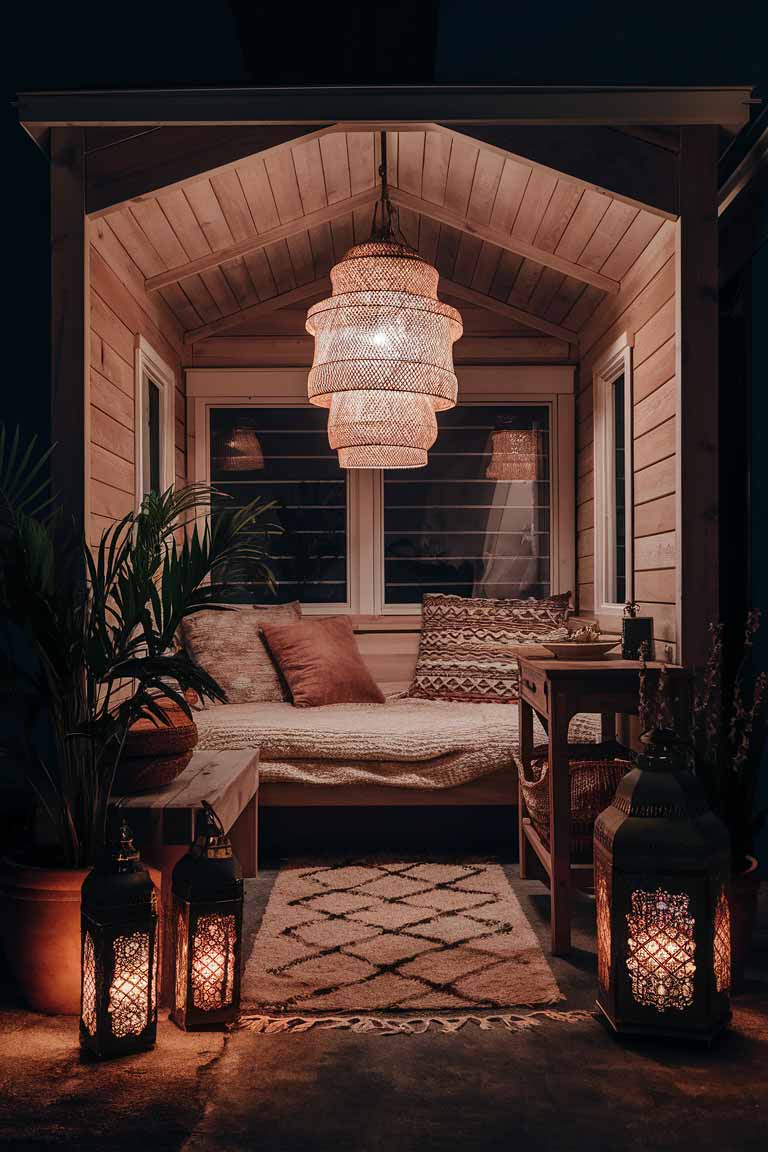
<point>394,938</point>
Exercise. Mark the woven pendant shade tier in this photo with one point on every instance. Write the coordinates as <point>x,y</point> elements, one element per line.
<point>373,429</point>
<point>383,358</point>
<point>514,454</point>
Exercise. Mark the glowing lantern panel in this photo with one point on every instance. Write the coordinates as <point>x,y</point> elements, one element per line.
<point>663,926</point>
<point>207,916</point>
<point>514,454</point>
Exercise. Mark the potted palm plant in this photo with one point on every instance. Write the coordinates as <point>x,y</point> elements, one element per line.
<point>728,739</point>
<point>87,650</point>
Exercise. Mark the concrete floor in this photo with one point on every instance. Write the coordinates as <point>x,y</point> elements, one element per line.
<point>556,1087</point>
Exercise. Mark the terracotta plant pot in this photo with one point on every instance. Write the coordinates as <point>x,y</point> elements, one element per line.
<point>155,754</point>
<point>742,899</point>
<point>41,933</point>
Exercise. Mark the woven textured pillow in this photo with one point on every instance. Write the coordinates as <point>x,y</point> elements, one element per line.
<point>229,646</point>
<point>466,646</point>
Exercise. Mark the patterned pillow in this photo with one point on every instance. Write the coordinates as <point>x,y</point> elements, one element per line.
<point>466,646</point>
<point>229,646</point>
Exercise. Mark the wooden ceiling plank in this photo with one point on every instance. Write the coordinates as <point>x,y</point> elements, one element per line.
<point>466,258</point>
<point>509,194</point>
<point>538,193</point>
<point>410,161</point>
<point>184,222</point>
<point>322,249</point>
<point>508,310</point>
<point>485,269</point>
<point>437,154</point>
<point>560,209</point>
<point>282,269</point>
<point>302,292</point>
<point>310,176</point>
<point>634,241</point>
<point>582,225</point>
<point>511,243</point>
<point>253,244</point>
<point>207,209</point>
<point>335,161</point>
<point>607,234</point>
<point>261,274</point>
<point>284,185</point>
<point>300,252</point>
<point>362,165</point>
<point>258,194</point>
<point>485,185</point>
<point>342,234</point>
<point>230,195</point>
<point>429,238</point>
<point>154,223</point>
<point>461,173</point>
<point>527,278</point>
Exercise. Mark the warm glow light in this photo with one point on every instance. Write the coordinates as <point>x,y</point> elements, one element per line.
<point>660,950</point>
<point>383,338</point>
<point>721,956</point>
<point>88,1011</point>
<point>129,990</point>
<point>213,962</point>
<point>237,451</point>
<point>603,920</point>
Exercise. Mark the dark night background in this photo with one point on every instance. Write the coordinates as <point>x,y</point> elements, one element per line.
<point>167,43</point>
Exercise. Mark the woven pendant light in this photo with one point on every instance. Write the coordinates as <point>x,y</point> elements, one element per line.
<point>383,359</point>
<point>238,450</point>
<point>514,454</point>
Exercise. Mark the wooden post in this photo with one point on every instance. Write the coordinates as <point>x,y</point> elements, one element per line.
<point>697,393</point>
<point>69,321</point>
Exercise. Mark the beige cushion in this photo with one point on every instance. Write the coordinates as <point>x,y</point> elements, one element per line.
<point>467,650</point>
<point>228,645</point>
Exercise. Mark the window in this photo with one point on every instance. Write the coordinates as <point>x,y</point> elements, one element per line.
<point>154,421</point>
<point>613,481</point>
<point>476,520</point>
<point>492,514</point>
<point>290,463</point>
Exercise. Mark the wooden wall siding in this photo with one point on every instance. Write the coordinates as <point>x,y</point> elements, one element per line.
<point>221,213</point>
<point>645,310</point>
<point>120,310</point>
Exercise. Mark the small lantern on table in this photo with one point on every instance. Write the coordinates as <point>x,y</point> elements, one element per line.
<point>207,891</point>
<point>636,632</point>
<point>119,954</point>
<point>663,924</point>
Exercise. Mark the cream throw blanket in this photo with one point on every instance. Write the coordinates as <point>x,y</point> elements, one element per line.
<point>404,743</point>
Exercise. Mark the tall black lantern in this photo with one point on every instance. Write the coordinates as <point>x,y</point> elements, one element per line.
<point>663,923</point>
<point>208,920</point>
<point>118,1013</point>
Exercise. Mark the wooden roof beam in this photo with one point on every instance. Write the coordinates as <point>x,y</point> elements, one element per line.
<point>502,240</point>
<point>262,240</point>
<point>256,311</point>
<point>452,288</point>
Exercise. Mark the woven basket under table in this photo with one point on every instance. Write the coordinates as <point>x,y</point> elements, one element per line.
<point>596,770</point>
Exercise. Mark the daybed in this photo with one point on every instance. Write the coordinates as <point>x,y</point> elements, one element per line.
<point>405,751</point>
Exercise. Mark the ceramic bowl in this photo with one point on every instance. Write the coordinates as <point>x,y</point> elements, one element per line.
<point>576,650</point>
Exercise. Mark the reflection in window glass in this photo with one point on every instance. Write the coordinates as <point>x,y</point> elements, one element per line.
<point>282,454</point>
<point>476,520</point>
<point>619,591</point>
<point>152,436</point>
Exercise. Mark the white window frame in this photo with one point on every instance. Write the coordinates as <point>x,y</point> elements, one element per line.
<point>550,385</point>
<point>616,361</point>
<point>149,365</point>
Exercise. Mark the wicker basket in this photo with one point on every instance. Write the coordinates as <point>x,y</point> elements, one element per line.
<point>155,754</point>
<point>596,770</point>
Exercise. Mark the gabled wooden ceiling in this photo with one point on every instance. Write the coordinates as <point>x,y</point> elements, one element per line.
<point>513,237</point>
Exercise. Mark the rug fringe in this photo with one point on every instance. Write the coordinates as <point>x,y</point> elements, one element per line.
<point>410,1025</point>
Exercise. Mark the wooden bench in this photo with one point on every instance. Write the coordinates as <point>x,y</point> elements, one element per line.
<point>163,822</point>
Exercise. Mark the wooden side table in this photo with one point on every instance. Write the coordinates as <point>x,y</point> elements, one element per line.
<point>164,822</point>
<point>557,690</point>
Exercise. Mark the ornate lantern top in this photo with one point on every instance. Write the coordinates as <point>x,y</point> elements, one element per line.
<point>118,879</point>
<point>209,870</point>
<point>660,809</point>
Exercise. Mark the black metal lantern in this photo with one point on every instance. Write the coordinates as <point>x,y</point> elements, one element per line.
<point>663,923</point>
<point>118,1013</point>
<point>636,633</point>
<point>208,922</point>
